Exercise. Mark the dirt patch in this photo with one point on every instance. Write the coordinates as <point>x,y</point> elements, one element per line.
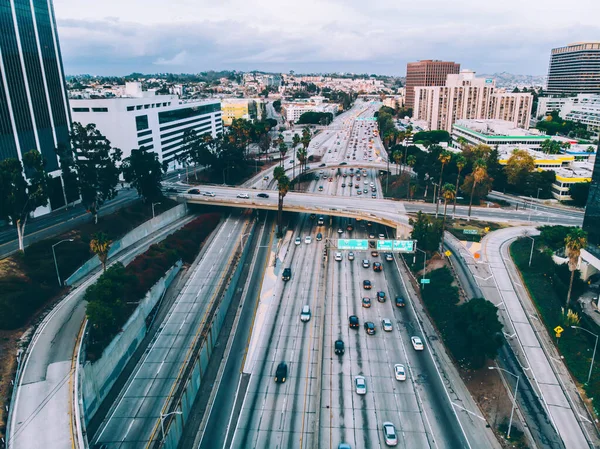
<point>8,364</point>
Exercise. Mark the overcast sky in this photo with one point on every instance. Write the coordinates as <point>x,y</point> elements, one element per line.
<point>117,37</point>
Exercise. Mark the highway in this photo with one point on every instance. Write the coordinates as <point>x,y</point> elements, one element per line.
<point>131,420</point>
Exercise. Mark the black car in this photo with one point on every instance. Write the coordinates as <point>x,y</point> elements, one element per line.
<point>377,266</point>
<point>400,301</point>
<point>389,257</point>
<point>338,347</point>
<point>263,195</point>
<point>370,328</point>
<point>281,373</point>
<point>287,274</point>
<point>194,192</point>
<point>367,284</point>
<point>353,321</point>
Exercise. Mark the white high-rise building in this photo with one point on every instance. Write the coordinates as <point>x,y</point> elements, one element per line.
<point>466,97</point>
<point>143,119</point>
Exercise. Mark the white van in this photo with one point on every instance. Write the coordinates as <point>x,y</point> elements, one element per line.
<point>305,314</point>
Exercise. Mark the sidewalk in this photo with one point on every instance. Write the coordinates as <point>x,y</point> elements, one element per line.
<point>500,284</point>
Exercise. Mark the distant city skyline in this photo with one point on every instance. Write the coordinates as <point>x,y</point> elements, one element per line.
<point>152,36</point>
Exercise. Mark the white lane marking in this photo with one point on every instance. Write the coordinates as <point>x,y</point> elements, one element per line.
<point>160,366</point>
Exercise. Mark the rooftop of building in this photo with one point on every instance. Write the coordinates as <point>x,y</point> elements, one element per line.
<point>498,128</point>
<point>578,171</point>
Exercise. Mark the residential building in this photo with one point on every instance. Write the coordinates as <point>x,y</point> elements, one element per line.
<point>584,108</point>
<point>143,119</point>
<point>466,97</point>
<point>34,112</point>
<point>427,73</point>
<point>574,69</point>
<point>236,108</point>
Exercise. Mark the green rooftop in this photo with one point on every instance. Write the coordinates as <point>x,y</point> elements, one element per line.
<point>494,137</point>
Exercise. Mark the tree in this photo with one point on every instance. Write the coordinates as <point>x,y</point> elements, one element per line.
<point>19,196</point>
<point>427,231</point>
<point>264,144</point>
<point>295,142</point>
<point>305,140</point>
<point>550,146</point>
<point>96,165</point>
<point>518,167</point>
<point>100,246</point>
<point>188,145</point>
<point>448,193</point>
<point>277,106</point>
<point>478,175</point>
<point>283,187</point>
<point>315,118</point>
<point>575,241</point>
<point>444,158</point>
<point>579,192</point>
<point>282,150</point>
<point>397,156</point>
<point>478,320</point>
<point>460,164</point>
<point>495,170</point>
<point>278,172</point>
<point>411,161</point>
<point>144,171</point>
<point>68,173</point>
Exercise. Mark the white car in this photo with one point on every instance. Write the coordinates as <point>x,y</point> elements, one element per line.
<point>367,182</point>
<point>243,195</point>
<point>350,255</point>
<point>417,343</point>
<point>297,241</point>
<point>366,263</point>
<point>389,434</point>
<point>400,371</point>
<point>381,237</point>
<point>372,184</point>
<point>308,239</point>
<point>209,194</point>
<point>386,323</point>
<point>338,257</point>
<point>361,385</point>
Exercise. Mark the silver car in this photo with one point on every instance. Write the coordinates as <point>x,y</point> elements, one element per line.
<point>361,385</point>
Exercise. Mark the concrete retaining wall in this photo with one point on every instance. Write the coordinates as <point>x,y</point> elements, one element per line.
<point>132,237</point>
<point>174,431</point>
<point>96,379</point>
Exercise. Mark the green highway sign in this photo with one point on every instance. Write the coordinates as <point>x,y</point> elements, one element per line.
<point>471,231</point>
<point>353,244</point>
<point>385,245</point>
<point>403,246</point>
<point>425,281</point>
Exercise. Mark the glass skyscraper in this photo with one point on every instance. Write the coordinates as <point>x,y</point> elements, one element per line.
<point>34,111</point>
<point>591,222</point>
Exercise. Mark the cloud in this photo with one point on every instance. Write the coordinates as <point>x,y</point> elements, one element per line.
<point>317,35</point>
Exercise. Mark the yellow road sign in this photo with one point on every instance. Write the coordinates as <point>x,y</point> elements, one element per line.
<point>448,253</point>
<point>559,330</point>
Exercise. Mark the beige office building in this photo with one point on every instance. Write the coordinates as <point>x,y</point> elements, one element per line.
<point>466,97</point>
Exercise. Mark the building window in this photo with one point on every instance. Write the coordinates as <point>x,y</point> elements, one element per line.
<point>145,141</point>
<point>138,107</point>
<point>81,109</point>
<point>130,108</point>
<point>99,109</point>
<point>141,122</point>
<point>183,113</point>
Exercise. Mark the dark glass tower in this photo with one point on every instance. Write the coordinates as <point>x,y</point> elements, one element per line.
<point>34,112</point>
<point>591,221</point>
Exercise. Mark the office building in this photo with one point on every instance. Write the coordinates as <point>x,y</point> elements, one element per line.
<point>466,97</point>
<point>574,69</point>
<point>584,108</point>
<point>143,119</point>
<point>34,113</point>
<point>236,108</point>
<point>427,73</point>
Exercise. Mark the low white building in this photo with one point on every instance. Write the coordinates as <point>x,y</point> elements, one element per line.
<point>143,119</point>
<point>293,111</point>
<point>584,108</point>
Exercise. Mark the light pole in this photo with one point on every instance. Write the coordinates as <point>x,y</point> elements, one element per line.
<point>593,354</point>
<point>55,263</point>
<point>154,204</point>
<point>538,193</point>
<point>424,265</point>
<point>532,244</point>
<point>162,421</point>
<point>530,207</point>
<point>514,397</point>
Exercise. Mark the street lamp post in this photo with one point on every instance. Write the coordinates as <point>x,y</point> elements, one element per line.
<point>154,204</point>
<point>424,265</point>
<point>56,263</point>
<point>514,397</point>
<point>532,244</point>
<point>162,421</point>
<point>593,354</point>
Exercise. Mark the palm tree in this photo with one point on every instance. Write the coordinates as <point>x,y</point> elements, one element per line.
<point>295,143</point>
<point>448,193</point>
<point>100,246</point>
<point>479,174</point>
<point>412,190</point>
<point>411,161</point>
<point>444,158</point>
<point>278,172</point>
<point>305,139</point>
<point>283,185</point>
<point>575,241</point>
<point>460,164</point>
<point>397,156</point>
<point>301,155</point>
<point>282,150</point>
